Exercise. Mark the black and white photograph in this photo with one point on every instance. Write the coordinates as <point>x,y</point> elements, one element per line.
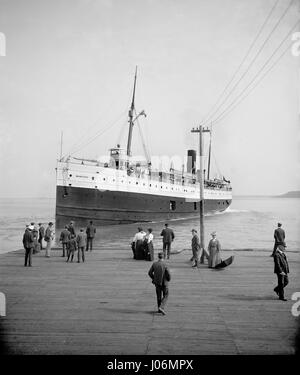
<point>150,181</point>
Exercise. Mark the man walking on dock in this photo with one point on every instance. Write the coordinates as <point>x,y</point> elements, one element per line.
<point>28,243</point>
<point>281,268</point>
<point>90,234</point>
<point>279,237</point>
<point>168,237</point>
<point>160,275</point>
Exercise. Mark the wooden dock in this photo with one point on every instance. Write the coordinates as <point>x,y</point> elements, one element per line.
<point>107,306</point>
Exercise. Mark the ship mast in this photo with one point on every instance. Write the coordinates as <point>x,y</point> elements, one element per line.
<point>130,115</point>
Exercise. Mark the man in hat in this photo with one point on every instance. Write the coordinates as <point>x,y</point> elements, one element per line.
<point>81,244</point>
<point>41,234</point>
<point>168,238</point>
<point>49,237</point>
<point>90,234</point>
<point>160,275</point>
<point>279,237</point>
<point>28,243</point>
<point>71,228</point>
<point>195,247</point>
<point>281,268</point>
<point>64,238</point>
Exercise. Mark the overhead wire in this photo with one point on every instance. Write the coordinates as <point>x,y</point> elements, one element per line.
<point>242,61</point>
<point>251,63</point>
<point>98,134</point>
<point>224,113</point>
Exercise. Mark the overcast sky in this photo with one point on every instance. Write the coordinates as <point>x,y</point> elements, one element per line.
<point>69,66</point>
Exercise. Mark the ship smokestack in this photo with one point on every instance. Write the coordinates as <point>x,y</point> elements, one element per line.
<point>191,161</point>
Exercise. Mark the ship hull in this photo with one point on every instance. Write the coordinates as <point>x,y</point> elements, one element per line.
<point>117,207</point>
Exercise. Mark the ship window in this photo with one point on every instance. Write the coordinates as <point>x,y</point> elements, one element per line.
<point>137,183</point>
<point>172,205</point>
<point>103,178</point>
<point>97,172</point>
<point>150,185</point>
<point>70,184</point>
<point>70,175</point>
<point>195,205</point>
<point>93,178</point>
<point>96,187</point>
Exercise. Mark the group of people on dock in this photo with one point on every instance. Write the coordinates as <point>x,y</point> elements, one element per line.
<point>143,249</point>
<point>80,243</point>
<point>142,243</point>
<point>34,236</point>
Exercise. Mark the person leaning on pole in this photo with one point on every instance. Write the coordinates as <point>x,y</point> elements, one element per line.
<point>195,248</point>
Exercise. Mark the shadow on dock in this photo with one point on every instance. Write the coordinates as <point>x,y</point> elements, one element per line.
<point>297,340</point>
<point>3,346</point>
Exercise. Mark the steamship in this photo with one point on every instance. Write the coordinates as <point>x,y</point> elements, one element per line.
<point>126,191</point>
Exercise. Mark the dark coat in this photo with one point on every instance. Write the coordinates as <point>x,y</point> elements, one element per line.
<point>81,239</point>
<point>41,231</point>
<point>279,236</point>
<point>280,262</point>
<point>72,245</point>
<point>28,239</point>
<point>90,231</point>
<point>71,229</point>
<point>65,236</point>
<point>195,243</point>
<point>168,235</point>
<point>159,273</point>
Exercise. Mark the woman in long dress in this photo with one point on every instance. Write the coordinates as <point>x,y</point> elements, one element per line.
<point>138,240</point>
<point>149,245</point>
<point>214,248</point>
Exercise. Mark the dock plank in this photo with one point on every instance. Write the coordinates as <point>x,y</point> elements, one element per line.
<point>107,305</point>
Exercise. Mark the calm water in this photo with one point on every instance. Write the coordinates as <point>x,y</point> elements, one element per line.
<point>248,223</point>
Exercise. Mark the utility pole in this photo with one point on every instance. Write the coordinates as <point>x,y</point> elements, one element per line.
<point>201,130</point>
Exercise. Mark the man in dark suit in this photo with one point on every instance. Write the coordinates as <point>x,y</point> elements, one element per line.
<point>281,268</point>
<point>195,248</point>
<point>168,237</point>
<point>28,243</point>
<point>90,234</point>
<point>279,237</point>
<point>160,275</point>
